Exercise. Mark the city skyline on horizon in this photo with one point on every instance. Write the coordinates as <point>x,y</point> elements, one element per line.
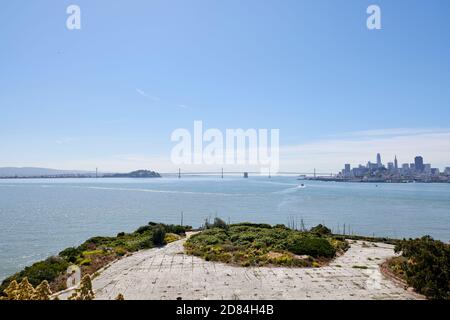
<point>395,161</point>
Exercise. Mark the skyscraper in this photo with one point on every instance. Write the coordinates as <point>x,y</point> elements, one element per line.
<point>418,164</point>
<point>379,160</point>
<point>347,168</point>
<point>390,167</point>
<point>395,164</point>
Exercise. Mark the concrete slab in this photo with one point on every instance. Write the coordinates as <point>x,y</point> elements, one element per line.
<point>168,273</point>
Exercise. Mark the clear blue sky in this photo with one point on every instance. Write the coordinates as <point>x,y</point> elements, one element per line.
<point>138,69</point>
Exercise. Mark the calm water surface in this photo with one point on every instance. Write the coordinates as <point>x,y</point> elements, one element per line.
<point>39,218</point>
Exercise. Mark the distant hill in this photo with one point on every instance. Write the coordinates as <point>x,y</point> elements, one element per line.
<point>32,172</point>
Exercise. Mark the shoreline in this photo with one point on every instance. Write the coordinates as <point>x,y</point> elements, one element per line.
<point>406,181</point>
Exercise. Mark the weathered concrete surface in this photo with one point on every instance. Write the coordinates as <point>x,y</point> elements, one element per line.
<point>167,273</point>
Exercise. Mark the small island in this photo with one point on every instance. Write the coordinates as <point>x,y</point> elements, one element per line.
<point>134,174</point>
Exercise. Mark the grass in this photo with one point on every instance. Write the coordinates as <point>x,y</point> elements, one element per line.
<point>94,254</point>
<point>260,245</point>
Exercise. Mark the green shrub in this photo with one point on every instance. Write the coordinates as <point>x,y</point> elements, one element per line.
<point>71,254</point>
<point>312,246</point>
<point>257,225</point>
<point>44,270</point>
<point>281,226</point>
<point>120,251</point>
<point>176,229</point>
<point>427,267</point>
<point>321,229</point>
<point>95,242</point>
<point>171,228</point>
<point>218,223</point>
<point>158,235</point>
<point>143,229</point>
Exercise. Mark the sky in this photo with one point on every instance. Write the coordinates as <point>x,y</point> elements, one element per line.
<point>110,94</point>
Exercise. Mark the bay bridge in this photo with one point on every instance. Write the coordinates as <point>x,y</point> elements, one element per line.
<point>246,174</point>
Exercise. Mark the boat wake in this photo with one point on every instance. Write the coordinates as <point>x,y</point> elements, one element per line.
<point>291,190</point>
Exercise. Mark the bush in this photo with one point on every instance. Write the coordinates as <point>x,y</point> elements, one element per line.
<point>218,223</point>
<point>143,229</point>
<point>171,237</point>
<point>120,251</point>
<point>95,242</point>
<point>176,229</point>
<point>158,235</point>
<point>312,246</point>
<point>71,254</point>
<point>427,267</point>
<point>321,229</point>
<point>258,225</point>
<point>170,228</point>
<point>44,270</point>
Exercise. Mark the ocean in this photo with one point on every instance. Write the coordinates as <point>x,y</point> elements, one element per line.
<point>40,217</point>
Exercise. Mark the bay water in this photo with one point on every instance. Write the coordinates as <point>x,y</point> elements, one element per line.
<point>41,217</point>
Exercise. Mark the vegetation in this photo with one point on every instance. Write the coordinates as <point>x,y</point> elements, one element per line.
<point>158,236</point>
<point>425,265</point>
<point>135,174</point>
<point>249,244</point>
<point>43,291</point>
<point>25,291</point>
<point>218,223</point>
<point>120,297</point>
<point>47,270</point>
<point>92,255</point>
<point>371,239</point>
<point>84,291</point>
<point>321,229</point>
<point>360,267</point>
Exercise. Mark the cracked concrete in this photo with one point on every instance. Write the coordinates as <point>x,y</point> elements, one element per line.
<point>168,273</point>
